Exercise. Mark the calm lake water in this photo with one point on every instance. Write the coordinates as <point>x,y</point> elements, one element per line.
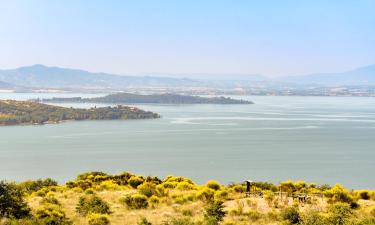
<point>318,139</point>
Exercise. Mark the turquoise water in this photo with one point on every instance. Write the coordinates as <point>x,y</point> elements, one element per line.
<point>319,139</point>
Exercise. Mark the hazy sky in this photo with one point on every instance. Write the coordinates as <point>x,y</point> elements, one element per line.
<point>272,37</point>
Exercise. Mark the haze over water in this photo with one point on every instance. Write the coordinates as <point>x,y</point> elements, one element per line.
<point>317,139</point>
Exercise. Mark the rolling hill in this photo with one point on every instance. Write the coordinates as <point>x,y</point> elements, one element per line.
<point>359,76</point>
<point>40,76</point>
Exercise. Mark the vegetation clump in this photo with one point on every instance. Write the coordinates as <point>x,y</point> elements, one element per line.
<point>12,203</point>
<point>98,219</point>
<point>215,212</point>
<point>135,201</point>
<point>92,204</point>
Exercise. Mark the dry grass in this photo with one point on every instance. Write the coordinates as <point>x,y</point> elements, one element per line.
<point>238,207</point>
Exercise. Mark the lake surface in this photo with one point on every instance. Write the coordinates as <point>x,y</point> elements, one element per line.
<point>318,139</point>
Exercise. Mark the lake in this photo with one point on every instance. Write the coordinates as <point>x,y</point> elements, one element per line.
<point>317,139</point>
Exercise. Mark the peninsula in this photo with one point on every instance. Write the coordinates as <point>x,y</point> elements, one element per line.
<point>120,98</point>
<point>26,112</point>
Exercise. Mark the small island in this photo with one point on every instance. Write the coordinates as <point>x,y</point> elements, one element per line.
<point>120,98</point>
<point>26,112</point>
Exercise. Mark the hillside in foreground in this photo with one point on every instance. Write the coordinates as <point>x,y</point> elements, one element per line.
<point>153,98</point>
<point>26,112</point>
<point>98,198</point>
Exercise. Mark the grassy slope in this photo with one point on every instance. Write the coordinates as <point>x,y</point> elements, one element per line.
<point>241,209</point>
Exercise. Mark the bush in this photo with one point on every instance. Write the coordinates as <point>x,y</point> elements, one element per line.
<point>363,194</point>
<point>147,189</point>
<point>312,218</point>
<point>215,212</point>
<point>92,204</point>
<point>35,185</point>
<point>186,186</point>
<point>12,203</point>
<point>49,200</point>
<point>89,191</point>
<point>291,215</point>
<point>135,201</point>
<point>135,181</point>
<point>206,195</point>
<point>338,194</point>
<point>108,185</point>
<point>213,184</point>
<point>221,195</point>
<point>51,214</point>
<point>98,219</point>
<point>339,213</point>
<point>153,201</point>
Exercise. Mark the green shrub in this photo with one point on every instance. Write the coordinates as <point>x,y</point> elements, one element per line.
<point>98,219</point>
<point>239,188</point>
<point>50,200</point>
<point>12,203</point>
<point>41,192</point>
<point>135,201</point>
<point>92,204</point>
<point>291,214</point>
<point>221,195</point>
<point>51,214</point>
<point>135,181</point>
<point>170,185</point>
<point>180,200</point>
<point>338,194</point>
<point>339,213</point>
<point>185,186</point>
<point>154,200</point>
<point>264,186</point>
<point>215,212</point>
<point>147,189</point>
<point>363,194</point>
<point>92,175</point>
<point>312,218</point>
<point>213,184</point>
<point>35,185</point>
<point>108,185</point>
<point>89,191</point>
<point>161,190</point>
<point>206,195</point>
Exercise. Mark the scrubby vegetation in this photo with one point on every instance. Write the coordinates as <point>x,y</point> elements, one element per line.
<point>97,198</point>
<point>27,112</point>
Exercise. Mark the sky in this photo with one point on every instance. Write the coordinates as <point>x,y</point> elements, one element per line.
<point>269,37</point>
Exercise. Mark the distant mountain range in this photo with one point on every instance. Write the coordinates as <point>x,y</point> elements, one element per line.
<point>5,85</point>
<point>40,76</point>
<point>360,76</point>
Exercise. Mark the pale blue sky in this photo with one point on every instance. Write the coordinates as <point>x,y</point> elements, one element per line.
<point>270,37</point>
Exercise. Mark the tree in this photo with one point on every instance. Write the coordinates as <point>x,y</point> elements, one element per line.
<point>215,212</point>
<point>12,204</point>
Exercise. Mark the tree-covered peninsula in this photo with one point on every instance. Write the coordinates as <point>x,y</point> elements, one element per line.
<point>26,112</point>
<point>153,98</point>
